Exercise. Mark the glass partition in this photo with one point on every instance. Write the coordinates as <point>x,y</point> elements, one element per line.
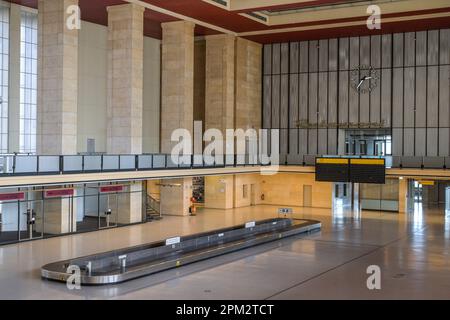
<point>144,162</point>
<point>92,163</point>
<point>26,164</point>
<point>72,163</point>
<point>127,162</point>
<point>380,197</point>
<point>42,212</point>
<point>48,164</point>
<point>110,163</point>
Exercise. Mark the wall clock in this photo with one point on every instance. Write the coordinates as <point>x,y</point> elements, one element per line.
<point>364,78</point>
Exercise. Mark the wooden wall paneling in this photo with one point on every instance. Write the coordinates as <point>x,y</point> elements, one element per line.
<point>397,98</point>
<point>444,103</point>
<point>397,141</point>
<point>267,102</point>
<point>375,101</point>
<point>303,97</point>
<point>433,47</point>
<point>332,111</point>
<point>284,113</point>
<point>312,141</point>
<point>267,63</point>
<point>421,140</point>
<point>304,55</point>
<point>421,48</point>
<point>343,96</point>
<point>398,49</point>
<point>409,99</point>
<point>410,49</point>
<point>444,55</point>
<point>284,51</point>
<point>333,54</point>
<point>432,109</point>
<point>276,101</point>
<point>323,55</point>
<point>344,53</point>
<point>322,147</point>
<point>313,56</point>
<point>408,146</point>
<point>353,97</point>
<point>276,58</point>
<point>386,50</point>
<point>421,111</point>
<point>293,100</point>
<point>421,97</point>
<point>354,52</point>
<point>386,102</point>
<point>375,51</point>
<point>303,141</point>
<point>364,51</point>
<point>323,99</point>
<point>294,57</point>
<point>313,98</point>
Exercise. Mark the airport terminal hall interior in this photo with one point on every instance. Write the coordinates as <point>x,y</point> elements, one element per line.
<point>225,150</point>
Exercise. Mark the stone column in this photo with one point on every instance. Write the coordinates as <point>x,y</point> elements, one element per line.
<point>248,84</point>
<point>57,98</point>
<point>219,109</point>
<point>125,78</point>
<point>57,79</point>
<point>125,96</point>
<point>177,97</point>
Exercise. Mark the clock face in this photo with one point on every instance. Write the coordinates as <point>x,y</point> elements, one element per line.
<point>364,78</point>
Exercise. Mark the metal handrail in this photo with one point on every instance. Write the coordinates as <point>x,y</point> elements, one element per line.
<point>14,165</point>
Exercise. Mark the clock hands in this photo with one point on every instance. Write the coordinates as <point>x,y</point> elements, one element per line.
<point>362,81</point>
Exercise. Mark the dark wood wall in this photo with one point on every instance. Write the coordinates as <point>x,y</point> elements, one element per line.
<point>308,82</point>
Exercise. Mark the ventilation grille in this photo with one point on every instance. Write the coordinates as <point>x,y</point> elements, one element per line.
<point>257,16</point>
<point>221,2</point>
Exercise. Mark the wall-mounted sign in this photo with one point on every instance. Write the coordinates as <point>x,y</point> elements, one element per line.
<point>368,171</point>
<point>285,210</point>
<point>332,169</point>
<point>174,240</point>
<point>111,188</point>
<point>250,224</point>
<point>56,193</point>
<point>426,182</point>
<point>12,196</point>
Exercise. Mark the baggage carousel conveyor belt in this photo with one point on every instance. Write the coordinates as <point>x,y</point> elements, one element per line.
<point>138,261</point>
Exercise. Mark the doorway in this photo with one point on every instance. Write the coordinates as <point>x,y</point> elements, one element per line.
<point>307,196</point>
<point>379,147</point>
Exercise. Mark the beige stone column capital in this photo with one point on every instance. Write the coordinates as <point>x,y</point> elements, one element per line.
<point>124,8</point>
<point>178,24</point>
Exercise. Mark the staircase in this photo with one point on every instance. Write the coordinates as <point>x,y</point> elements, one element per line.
<point>153,208</point>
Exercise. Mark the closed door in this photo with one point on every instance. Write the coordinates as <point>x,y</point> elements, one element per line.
<point>307,196</point>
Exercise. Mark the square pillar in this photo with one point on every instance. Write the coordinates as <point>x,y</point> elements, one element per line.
<point>248,84</point>
<point>219,79</point>
<point>177,109</point>
<point>219,110</point>
<point>125,78</point>
<point>57,79</point>
<point>57,98</point>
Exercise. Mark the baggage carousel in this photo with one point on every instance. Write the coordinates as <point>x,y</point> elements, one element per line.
<point>143,260</point>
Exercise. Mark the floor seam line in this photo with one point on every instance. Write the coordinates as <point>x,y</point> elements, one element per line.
<point>334,268</point>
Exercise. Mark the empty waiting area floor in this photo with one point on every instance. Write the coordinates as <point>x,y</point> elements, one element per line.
<point>412,251</point>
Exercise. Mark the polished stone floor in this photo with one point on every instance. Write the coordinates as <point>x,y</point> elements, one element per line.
<point>412,250</point>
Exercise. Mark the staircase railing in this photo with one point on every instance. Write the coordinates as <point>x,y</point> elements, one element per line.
<point>154,205</point>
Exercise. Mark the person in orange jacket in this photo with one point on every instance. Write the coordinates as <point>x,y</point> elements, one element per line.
<point>192,208</point>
